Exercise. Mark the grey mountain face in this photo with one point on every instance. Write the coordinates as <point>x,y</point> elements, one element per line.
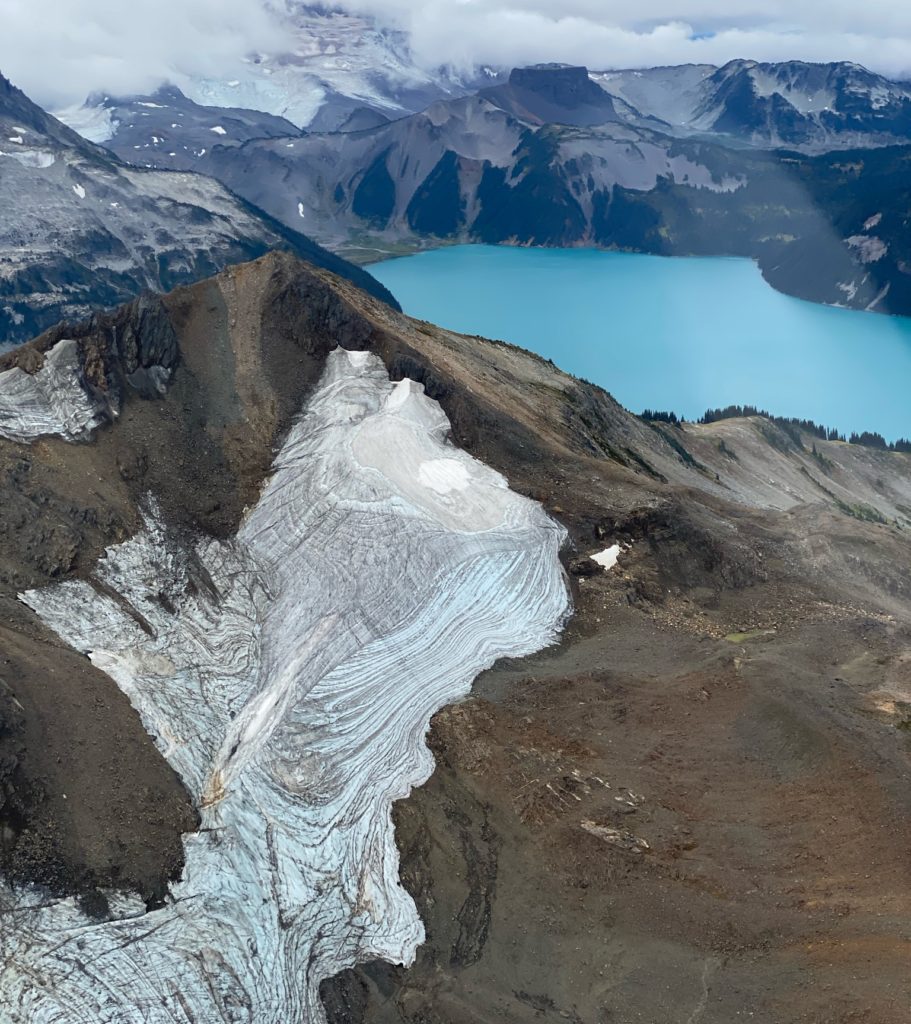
<point>168,130</point>
<point>335,65</point>
<point>553,94</point>
<point>80,229</point>
<point>813,107</point>
<point>443,171</point>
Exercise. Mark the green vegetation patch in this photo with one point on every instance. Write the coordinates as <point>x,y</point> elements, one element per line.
<point>865,513</point>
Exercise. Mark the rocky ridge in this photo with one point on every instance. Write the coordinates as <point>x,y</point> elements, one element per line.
<point>793,104</point>
<point>733,688</point>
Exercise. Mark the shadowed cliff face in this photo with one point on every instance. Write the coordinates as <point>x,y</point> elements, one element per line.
<point>734,689</point>
<point>553,94</point>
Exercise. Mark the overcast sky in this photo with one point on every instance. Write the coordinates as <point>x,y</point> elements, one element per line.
<point>620,33</point>
<point>60,50</point>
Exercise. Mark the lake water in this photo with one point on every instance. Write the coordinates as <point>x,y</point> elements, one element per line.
<point>675,334</point>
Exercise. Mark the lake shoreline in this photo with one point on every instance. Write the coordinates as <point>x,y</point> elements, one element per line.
<point>367,256</point>
<point>700,315</point>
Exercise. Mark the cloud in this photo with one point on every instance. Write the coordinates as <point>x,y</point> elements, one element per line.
<point>610,33</point>
<point>58,51</point>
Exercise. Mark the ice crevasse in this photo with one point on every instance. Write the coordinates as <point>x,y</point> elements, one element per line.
<point>289,677</point>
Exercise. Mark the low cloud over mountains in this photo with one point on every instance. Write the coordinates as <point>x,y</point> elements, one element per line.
<point>61,51</point>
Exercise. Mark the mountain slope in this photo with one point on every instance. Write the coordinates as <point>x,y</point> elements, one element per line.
<point>659,781</point>
<point>459,164</point>
<point>80,229</point>
<point>814,107</point>
<point>825,227</point>
<point>166,124</point>
<point>336,62</point>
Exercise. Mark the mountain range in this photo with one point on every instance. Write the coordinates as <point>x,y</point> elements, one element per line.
<point>81,229</point>
<point>336,64</point>
<point>550,158</point>
<point>748,159</point>
<point>794,104</point>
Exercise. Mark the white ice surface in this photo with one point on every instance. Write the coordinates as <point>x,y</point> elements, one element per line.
<point>39,159</point>
<point>51,401</point>
<point>289,677</point>
<point>95,123</point>
<point>608,557</point>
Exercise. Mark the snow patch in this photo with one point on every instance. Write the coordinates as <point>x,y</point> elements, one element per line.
<point>218,130</point>
<point>36,158</point>
<point>869,249</point>
<point>79,190</point>
<point>444,475</point>
<point>609,557</point>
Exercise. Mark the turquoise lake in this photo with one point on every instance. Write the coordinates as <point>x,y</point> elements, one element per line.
<point>674,334</point>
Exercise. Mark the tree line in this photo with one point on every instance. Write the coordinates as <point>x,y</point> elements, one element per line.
<point>790,424</point>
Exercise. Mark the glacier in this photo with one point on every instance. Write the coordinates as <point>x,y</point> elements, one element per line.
<point>289,676</point>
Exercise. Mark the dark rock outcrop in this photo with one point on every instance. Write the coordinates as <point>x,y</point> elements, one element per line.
<point>553,94</point>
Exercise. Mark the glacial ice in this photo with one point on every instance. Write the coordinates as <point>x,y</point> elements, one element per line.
<point>289,676</point>
<point>51,401</point>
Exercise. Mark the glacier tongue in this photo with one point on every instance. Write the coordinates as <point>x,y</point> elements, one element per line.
<point>289,676</point>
